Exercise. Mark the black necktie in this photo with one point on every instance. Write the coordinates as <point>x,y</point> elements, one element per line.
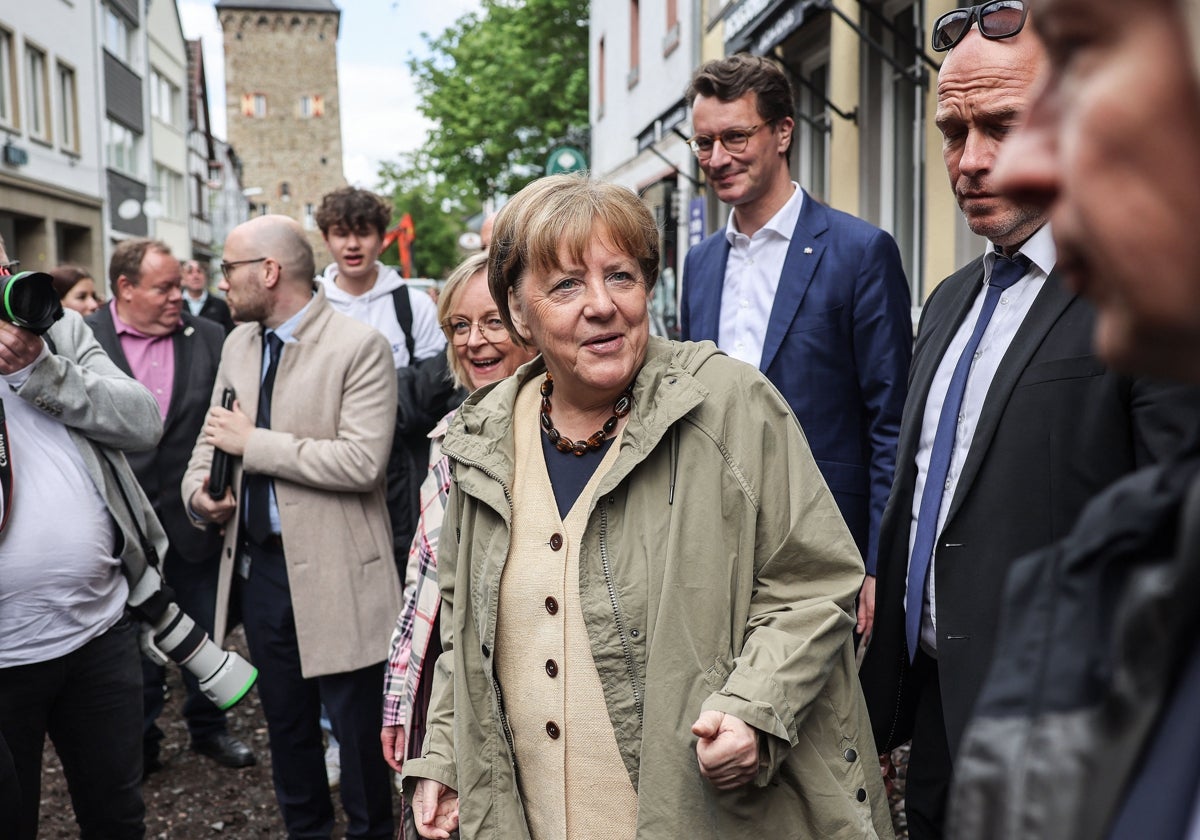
<point>258,486</point>
<point>1005,273</point>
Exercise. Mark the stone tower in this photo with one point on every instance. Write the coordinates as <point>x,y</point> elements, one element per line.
<point>281,98</point>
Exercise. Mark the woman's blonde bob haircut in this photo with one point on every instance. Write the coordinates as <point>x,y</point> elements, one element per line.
<point>447,300</point>
<point>560,215</point>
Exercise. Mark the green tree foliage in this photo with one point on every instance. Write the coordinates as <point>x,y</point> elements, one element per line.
<point>437,213</point>
<point>502,88</point>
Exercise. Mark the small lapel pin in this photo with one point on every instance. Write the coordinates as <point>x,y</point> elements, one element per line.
<point>808,250</point>
<point>189,330</point>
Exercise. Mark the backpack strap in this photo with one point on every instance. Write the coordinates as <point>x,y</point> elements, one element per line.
<point>404,315</point>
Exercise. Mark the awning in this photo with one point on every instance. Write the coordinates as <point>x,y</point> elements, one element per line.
<point>661,125</point>
<point>757,26</point>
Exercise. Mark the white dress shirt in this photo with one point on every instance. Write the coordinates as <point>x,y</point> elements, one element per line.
<point>1014,305</point>
<point>751,279</point>
<point>195,304</point>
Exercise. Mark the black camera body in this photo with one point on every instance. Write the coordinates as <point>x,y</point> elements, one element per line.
<point>28,300</point>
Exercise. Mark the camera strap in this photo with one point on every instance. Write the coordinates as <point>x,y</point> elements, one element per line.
<point>147,547</point>
<point>6,473</point>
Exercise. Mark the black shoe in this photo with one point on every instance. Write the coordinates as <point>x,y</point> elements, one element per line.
<point>224,749</point>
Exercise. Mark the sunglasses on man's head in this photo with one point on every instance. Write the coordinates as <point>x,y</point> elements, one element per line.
<point>997,20</point>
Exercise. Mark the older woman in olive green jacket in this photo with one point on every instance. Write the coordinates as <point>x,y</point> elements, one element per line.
<point>704,566</point>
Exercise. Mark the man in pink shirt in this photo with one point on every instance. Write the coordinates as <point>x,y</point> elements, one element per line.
<point>150,336</point>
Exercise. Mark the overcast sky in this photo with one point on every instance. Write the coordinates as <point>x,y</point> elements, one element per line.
<point>376,91</point>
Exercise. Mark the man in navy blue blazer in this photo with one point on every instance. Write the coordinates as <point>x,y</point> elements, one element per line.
<point>814,298</point>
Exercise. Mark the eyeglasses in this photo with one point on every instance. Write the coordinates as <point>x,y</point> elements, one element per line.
<point>458,330</point>
<point>7,268</point>
<point>227,267</point>
<point>734,140</point>
<point>997,20</point>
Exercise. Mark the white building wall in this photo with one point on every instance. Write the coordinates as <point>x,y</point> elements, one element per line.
<point>638,117</point>
<point>168,138</point>
<point>661,81</point>
<point>66,33</point>
<point>228,205</point>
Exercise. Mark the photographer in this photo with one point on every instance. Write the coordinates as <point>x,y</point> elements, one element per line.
<point>69,549</point>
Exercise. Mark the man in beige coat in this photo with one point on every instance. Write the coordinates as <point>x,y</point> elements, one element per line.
<point>307,557</point>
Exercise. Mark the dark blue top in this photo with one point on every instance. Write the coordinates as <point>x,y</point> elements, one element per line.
<point>569,474</point>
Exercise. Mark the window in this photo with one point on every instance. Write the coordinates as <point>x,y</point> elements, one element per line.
<point>310,217</point>
<point>196,196</point>
<point>118,40</point>
<point>8,78</point>
<point>68,108</point>
<point>121,147</point>
<point>164,99</point>
<point>901,125</point>
<point>812,137</point>
<point>671,39</point>
<point>254,105</point>
<point>37,90</point>
<point>634,37</point>
<point>170,191</point>
<point>312,106</point>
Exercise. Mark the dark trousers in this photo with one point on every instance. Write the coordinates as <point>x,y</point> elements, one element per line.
<point>929,764</point>
<point>195,587</point>
<point>89,702</point>
<point>292,706</point>
<point>10,789</point>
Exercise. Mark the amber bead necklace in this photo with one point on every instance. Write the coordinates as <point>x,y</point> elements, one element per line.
<point>581,447</point>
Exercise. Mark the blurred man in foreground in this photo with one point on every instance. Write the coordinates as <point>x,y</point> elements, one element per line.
<point>1011,425</point>
<point>1088,724</point>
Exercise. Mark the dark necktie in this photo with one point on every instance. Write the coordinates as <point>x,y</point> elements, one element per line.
<point>1005,272</point>
<point>258,486</point>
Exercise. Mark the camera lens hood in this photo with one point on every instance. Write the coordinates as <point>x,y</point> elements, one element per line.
<point>28,300</point>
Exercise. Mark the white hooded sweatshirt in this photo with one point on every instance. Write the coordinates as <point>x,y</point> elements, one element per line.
<point>377,309</point>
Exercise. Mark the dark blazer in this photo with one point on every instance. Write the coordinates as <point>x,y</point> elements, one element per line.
<point>160,470</point>
<point>214,309</point>
<point>837,346</point>
<point>1056,427</point>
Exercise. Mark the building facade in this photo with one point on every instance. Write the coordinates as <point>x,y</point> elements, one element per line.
<point>216,202</point>
<point>52,179</point>
<point>169,148</point>
<point>227,202</point>
<point>642,56</point>
<point>125,125</point>
<point>865,82</point>
<point>281,98</point>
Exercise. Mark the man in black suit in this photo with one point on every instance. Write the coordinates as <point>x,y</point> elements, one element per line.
<point>199,302</point>
<point>174,354</point>
<point>1010,426</point>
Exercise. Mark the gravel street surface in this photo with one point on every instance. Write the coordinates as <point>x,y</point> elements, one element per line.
<point>192,797</point>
